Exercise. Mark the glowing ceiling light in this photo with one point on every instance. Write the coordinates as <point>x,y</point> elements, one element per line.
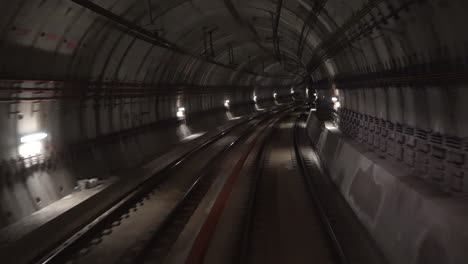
<point>226,103</point>
<point>255,98</point>
<point>337,105</point>
<point>181,113</point>
<point>292,91</point>
<point>274,95</point>
<point>334,99</point>
<point>33,137</point>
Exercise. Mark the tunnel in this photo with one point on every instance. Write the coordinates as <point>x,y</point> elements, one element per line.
<point>234,131</point>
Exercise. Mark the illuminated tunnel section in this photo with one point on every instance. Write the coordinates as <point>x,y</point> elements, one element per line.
<point>93,89</point>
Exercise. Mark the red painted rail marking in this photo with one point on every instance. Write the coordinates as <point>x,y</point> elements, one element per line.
<point>71,45</point>
<point>20,31</point>
<point>200,246</point>
<point>51,36</point>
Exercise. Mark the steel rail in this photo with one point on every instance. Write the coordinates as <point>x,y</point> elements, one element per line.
<point>201,244</point>
<point>336,246</point>
<point>244,244</point>
<point>204,176</point>
<point>62,252</point>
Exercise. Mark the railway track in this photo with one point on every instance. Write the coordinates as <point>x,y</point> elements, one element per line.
<point>159,245</point>
<point>356,245</point>
<point>284,220</point>
<point>295,213</point>
<point>177,190</point>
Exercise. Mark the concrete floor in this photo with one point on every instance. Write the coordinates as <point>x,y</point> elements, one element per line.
<point>20,229</point>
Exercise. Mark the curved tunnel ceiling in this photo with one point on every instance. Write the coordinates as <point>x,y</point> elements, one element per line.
<point>83,50</point>
<point>104,40</point>
<point>111,40</point>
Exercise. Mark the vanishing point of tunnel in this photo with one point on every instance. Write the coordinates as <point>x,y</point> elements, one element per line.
<point>234,131</point>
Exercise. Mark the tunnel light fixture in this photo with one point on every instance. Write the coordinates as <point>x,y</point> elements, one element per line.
<point>32,144</point>
<point>254,97</point>
<point>30,149</point>
<point>275,95</point>
<point>181,113</point>
<point>230,116</point>
<point>227,103</point>
<point>33,137</point>
<point>337,105</point>
<point>292,91</point>
<point>258,108</point>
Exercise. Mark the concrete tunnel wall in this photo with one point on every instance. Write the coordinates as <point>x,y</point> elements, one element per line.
<point>400,160</point>
<point>427,108</point>
<point>411,221</point>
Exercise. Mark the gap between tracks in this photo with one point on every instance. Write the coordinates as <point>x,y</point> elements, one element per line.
<point>203,239</point>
